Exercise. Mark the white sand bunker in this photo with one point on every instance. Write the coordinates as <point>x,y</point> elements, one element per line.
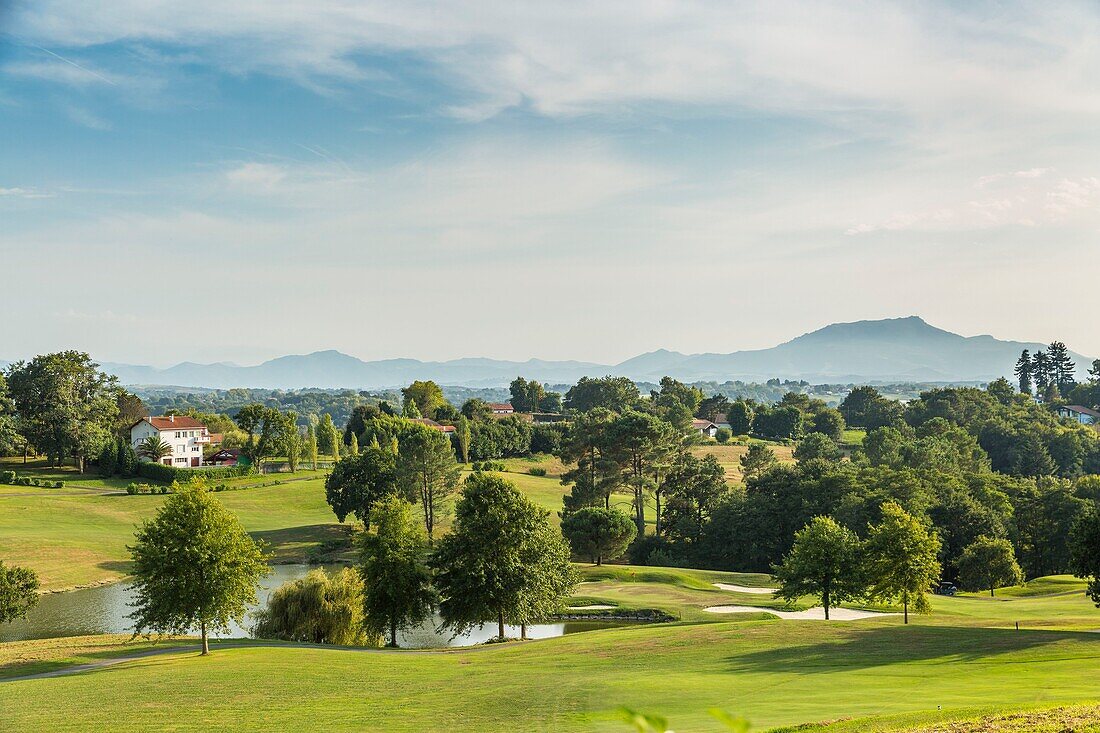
<point>744,589</point>
<point>810,614</point>
<point>593,607</point>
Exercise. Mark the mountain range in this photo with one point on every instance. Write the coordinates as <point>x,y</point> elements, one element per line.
<point>889,350</point>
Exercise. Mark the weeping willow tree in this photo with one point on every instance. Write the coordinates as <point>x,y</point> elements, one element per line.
<point>318,608</point>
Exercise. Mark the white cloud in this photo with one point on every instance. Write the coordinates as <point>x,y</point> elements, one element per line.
<point>256,176</point>
<point>60,71</point>
<point>24,193</point>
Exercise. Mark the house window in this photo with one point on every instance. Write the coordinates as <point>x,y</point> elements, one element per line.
<point>181,460</point>
<point>195,449</point>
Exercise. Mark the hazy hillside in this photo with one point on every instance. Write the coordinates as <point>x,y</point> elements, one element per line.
<point>890,350</point>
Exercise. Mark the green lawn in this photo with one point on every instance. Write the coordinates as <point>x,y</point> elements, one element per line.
<point>772,672</point>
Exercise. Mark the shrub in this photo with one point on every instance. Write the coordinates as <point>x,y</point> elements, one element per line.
<point>318,609</point>
<point>723,435</point>
<point>24,481</point>
<point>7,477</point>
<point>57,484</point>
<point>167,474</point>
<point>537,471</point>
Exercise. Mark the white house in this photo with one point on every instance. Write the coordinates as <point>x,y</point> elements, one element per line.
<point>501,408</point>
<point>185,435</point>
<point>706,427</point>
<point>1083,415</point>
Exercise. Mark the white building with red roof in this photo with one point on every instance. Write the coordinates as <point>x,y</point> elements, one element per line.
<point>184,434</point>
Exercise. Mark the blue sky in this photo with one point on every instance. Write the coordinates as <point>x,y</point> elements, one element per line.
<point>232,181</point>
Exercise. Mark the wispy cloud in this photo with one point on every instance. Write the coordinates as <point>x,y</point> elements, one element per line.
<point>24,193</point>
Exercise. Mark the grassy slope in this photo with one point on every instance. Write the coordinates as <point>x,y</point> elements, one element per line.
<point>729,456</point>
<point>772,672</point>
<point>73,537</point>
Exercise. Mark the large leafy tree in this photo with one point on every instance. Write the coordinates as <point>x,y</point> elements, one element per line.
<point>902,559</point>
<point>358,482</point>
<point>18,592</point>
<point>1085,546</point>
<point>823,562</point>
<point>613,393</point>
<point>426,395</point>
<point>398,582</point>
<point>598,533</point>
<point>318,608</point>
<point>194,565</point>
<point>551,577</point>
<point>988,563</point>
<point>485,567</point>
<point>328,438</point>
<point>427,472</point>
<point>9,436</point>
<point>269,430</point>
<point>740,417</point>
<point>66,405</point>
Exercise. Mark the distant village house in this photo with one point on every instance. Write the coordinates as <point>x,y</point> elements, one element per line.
<point>1083,415</point>
<point>501,408</point>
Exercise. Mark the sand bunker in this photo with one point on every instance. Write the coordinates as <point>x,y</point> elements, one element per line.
<point>744,589</point>
<point>593,607</point>
<point>810,614</point>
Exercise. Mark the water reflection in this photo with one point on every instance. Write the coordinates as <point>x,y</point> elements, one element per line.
<point>104,610</point>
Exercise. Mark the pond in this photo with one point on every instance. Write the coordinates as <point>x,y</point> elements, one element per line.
<point>104,610</point>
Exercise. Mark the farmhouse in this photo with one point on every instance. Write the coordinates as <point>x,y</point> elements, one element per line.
<point>185,435</point>
<point>706,427</point>
<point>501,408</point>
<point>1083,415</point>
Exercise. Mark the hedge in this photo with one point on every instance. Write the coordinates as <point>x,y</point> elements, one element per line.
<point>167,474</point>
<point>9,477</point>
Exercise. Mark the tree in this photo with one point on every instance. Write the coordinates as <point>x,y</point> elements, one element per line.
<point>360,481</point>
<point>827,421</point>
<point>107,463</point>
<point>595,476</point>
<point>522,392</point>
<point>695,487</point>
<point>427,472</point>
<point>311,446</point>
<point>18,592</point>
<point>551,578</point>
<point>398,582</point>
<point>317,609</point>
<point>409,409</point>
<point>639,443</point>
<point>194,564</point>
<point>127,460</point>
<point>711,407</point>
<point>757,461</point>
<point>292,441</point>
<point>353,445</point>
<point>864,407</point>
<point>612,393</point>
<point>477,410</point>
<point>328,439</point>
<point>550,403</point>
<point>1023,371</point>
<point>824,562</point>
<point>988,563</point>
<point>723,435</point>
<point>268,429</point>
<point>817,445</point>
<point>66,406</point>
<point>1085,550</point>
<point>598,533</point>
<point>462,437</point>
<point>426,395</point>
<point>154,449</point>
<point>740,418</point>
<point>9,436</point>
<point>1040,372</point>
<point>778,423</point>
<point>901,559</point>
<point>1062,367</point>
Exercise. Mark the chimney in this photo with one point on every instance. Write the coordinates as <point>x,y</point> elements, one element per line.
<point>171,418</point>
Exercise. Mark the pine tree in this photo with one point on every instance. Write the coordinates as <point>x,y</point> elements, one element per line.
<point>1040,372</point>
<point>1062,368</point>
<point>1023,371</point>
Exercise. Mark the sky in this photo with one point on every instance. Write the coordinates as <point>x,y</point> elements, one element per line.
<point>209,181</point>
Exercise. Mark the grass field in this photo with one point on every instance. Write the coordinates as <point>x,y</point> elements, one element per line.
<point>772,672</point>
<point>76,536</point>
<point>729,456</point>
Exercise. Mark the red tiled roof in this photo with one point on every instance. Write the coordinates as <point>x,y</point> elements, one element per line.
<point>178,422</point>
<point>501,406</point>
<point>701,423</point>
<point>433,424</point>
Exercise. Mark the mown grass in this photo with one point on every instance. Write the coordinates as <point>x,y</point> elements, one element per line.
<point>729,456</point>
<point>772,672</point>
